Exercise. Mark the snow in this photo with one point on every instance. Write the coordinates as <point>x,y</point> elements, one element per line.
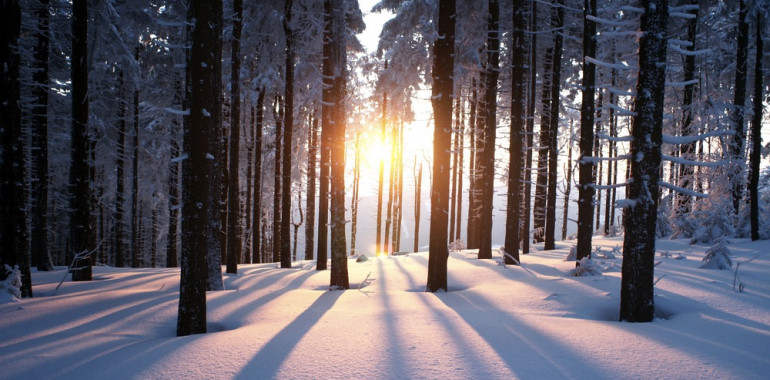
<point>534,321</point>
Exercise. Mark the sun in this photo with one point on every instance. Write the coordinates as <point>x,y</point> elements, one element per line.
<point>373,151</point>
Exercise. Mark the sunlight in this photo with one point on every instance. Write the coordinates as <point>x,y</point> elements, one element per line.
<point>374,150</point>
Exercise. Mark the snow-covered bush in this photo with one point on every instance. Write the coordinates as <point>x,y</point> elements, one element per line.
<point>663,227</point>
<point>457,245</point>
<point>713,216</point>
<point>572,256</point>
<point>587,267</point>
<point>10,288</point>
<point>718,256</point>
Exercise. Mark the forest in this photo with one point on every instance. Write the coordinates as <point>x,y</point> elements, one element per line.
<point>206,135</point>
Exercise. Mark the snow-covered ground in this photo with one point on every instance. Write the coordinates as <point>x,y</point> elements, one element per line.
<point>532,322</point>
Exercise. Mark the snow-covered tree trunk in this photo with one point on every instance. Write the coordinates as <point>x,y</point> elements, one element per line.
<point>443,88</point>
<point>530,134</point>
<point>218,155</point>
<point>640,213</point>
<point>739,104</point>
<point>687,150</point>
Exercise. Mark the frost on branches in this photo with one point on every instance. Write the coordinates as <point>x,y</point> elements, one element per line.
<point>718,257</point>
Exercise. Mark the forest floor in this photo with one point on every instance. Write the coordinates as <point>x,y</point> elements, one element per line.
<point>534,321</point>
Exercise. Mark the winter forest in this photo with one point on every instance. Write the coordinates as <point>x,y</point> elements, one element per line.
<point>198,143</point>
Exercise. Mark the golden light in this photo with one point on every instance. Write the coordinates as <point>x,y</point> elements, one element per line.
<point>374,150</point>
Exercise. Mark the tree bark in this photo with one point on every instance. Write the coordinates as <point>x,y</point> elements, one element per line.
<point>490,133</point>
<point>288,127</point>
<point>587,111</point>
<point>13,228</point>
<point>120,192</point>
<point>135,175</point>
<point>756,133</point>
<point>378,244</point>
<point>204,20</point>
<point>311,185</point>
<point>739,104</point>
<point>443,86</point>
<point>233,194</point>
<point>640,215</point>
<point>256,237</point>
<point>518,121</point>
<point>417,207</point>
<point>557,24</point>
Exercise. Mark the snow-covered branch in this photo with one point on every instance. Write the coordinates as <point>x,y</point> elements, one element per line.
<point>679,50</point>
<point>682,190</point>
<point>669,139</point>
<point>622,111</point>
<point>683,161</point>
<point>599,20</point>
<point>615,138</point>
<point>616,66</point>
<point>591,159</point>
<point>682,84</point>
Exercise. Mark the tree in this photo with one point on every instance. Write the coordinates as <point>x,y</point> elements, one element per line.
<point>338,62</point>
<point>490,130</point>
<point>202,92</point>
<point>380,183</point>
<point>312,155</point>
<point>233,195</point>
<point>417,208</point>
<point>13,230</point>
<point>256,236</point>
<point>640,213</point>
<point>518,120</point>
<point>739,103</point>
<point>288,127</point>
<point>557,23</point>
<point>587,110</point>
<point>441,99</point>
<point>39,188</point>
<point>81,239</point>
<point>756,132</point>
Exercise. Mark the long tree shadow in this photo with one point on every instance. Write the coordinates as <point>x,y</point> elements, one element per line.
<point>266,363</point>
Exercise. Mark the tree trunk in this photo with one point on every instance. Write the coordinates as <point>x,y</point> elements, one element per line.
<point>204,20</point>
<point>120,192</point>
<point>687,150</point>
<point>311,185</point>
<point>472,234</point>
<point>756,133</point>
<point>13,228</point>
<point>518,121</point>
<point>354,198</point>
<point>338,63</point>
<point>739,104</point>
<point>288,139</point>
<point>553,148</point>
<point>257,233</point>
<point>490,133</point>
<point>135,177</point>
<point>567,183</point>
<point>442,73</point>
<point>81,225</point>
<point>277,189</point>
<point>400,192</point>
<point>453,212</point>
<point>327,133</point>
<point>531,103</point>
<point>598,155</point>
<point>39,189</point>
<point>233,195</point>
<point>640,216</point>
<point>541,186</point>
<point>387,247</point>
<point>378,244</point>
<point>459,199</point>
<point>417,207</point>
<point>587,111</point>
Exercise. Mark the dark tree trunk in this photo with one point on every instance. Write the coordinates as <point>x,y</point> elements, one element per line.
<point>739,104</point>
<point>453,212</point>
<point>288,126</point>
<point>172,247</point>
<point>135,177</point>
<point>459,199</point>
<point>378,244</point>
<point>277,185</point>
<point>233,194</point>
<point>756,134</point>
<point>205,23</point>
<point>81,225</point>
<point>326,141</point>
<point>417,206</point>
<point>443,85</point>
<point>531,102</point>
<point>39,189</point>
<point>311,185</point>
<point>557,24</point>
<point>518,120</point>
<point>120,191</point>
<point>387,247</point>
<point>587,111</point>
<point>256,237</point>
<point>400,192</point>
<point>568,184</point>
<point>639,218</point>
<point>490,130</point>
<point>13,228</point>
<point>687,150</point>
<point>541,186</point>
<point>338,62</point>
